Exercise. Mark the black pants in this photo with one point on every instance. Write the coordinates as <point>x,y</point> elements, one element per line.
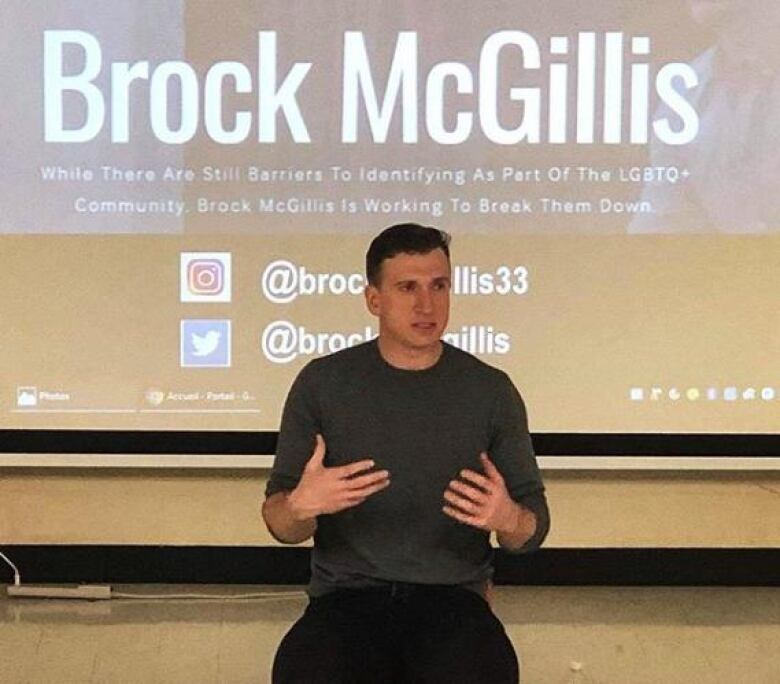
<point>405,633</point>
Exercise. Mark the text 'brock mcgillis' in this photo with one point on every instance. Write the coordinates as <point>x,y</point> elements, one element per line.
<point>589,81</point>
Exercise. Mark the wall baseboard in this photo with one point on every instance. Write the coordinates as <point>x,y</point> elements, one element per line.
<point>110,564</point>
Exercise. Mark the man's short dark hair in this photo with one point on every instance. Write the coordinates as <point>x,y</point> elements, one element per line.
<point>403,238</point>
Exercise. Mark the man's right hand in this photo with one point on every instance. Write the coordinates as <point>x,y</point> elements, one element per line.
<point>330,490</point>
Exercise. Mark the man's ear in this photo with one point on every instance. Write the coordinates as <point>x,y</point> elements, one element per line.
<point>372,299</point>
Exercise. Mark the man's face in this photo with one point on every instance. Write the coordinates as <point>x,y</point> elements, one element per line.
<point>412,301</point>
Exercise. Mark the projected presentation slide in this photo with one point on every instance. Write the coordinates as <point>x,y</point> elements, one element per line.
<point>188,190</point>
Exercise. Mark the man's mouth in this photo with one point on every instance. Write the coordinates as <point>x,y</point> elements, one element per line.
<point>424,326</point>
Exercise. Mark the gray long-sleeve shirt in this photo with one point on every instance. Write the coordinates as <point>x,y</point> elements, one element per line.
<point>424,427</point>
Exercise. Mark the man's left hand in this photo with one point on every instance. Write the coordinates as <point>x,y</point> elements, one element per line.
<point>483,501</point>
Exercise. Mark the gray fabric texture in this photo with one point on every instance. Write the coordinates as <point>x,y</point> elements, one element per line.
<point>424,427</point>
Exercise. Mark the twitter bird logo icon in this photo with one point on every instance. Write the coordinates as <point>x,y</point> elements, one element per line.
<point>205,343</point>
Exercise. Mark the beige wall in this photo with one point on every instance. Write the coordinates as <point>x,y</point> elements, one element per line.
<point>590,510</point>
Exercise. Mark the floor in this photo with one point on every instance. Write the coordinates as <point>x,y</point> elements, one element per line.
<point>564,635</point>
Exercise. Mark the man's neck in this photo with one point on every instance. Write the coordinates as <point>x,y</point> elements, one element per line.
<point>409,359</point>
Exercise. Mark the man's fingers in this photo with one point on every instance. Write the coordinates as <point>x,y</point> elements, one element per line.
<point>469,492</point>
<point>461,502</point>
<point>355,484</point>
<point>318,455</point>
<point>490,469</point>
<point>365,492</point>
<point>477,479</point>
<point>356,498</point>
<point>352,469</point>
<point>462,517</point>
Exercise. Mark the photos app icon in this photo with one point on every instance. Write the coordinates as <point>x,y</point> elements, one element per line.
<point>205,276</point>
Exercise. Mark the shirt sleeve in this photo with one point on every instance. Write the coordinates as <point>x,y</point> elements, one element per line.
<point>297,434</point>
<point>513,454</point>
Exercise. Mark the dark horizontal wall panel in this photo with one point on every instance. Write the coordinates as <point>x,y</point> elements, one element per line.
<point>248,443</point>
<point>136,442</point>
<point>273,565</point>
<point>158,564</point>
<point>642,567</point>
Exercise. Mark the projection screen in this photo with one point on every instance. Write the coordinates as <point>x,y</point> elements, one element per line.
<point>189,188</point>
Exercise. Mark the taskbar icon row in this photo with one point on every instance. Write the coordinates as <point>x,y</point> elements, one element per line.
<point>731,393</point>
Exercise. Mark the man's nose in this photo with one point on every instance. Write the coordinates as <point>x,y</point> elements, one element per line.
<point>424,301</point>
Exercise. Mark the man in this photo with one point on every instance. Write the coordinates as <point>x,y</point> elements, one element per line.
<point>400,456</point>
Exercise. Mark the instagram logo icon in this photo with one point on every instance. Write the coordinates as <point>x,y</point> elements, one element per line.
<point>205,276</point>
